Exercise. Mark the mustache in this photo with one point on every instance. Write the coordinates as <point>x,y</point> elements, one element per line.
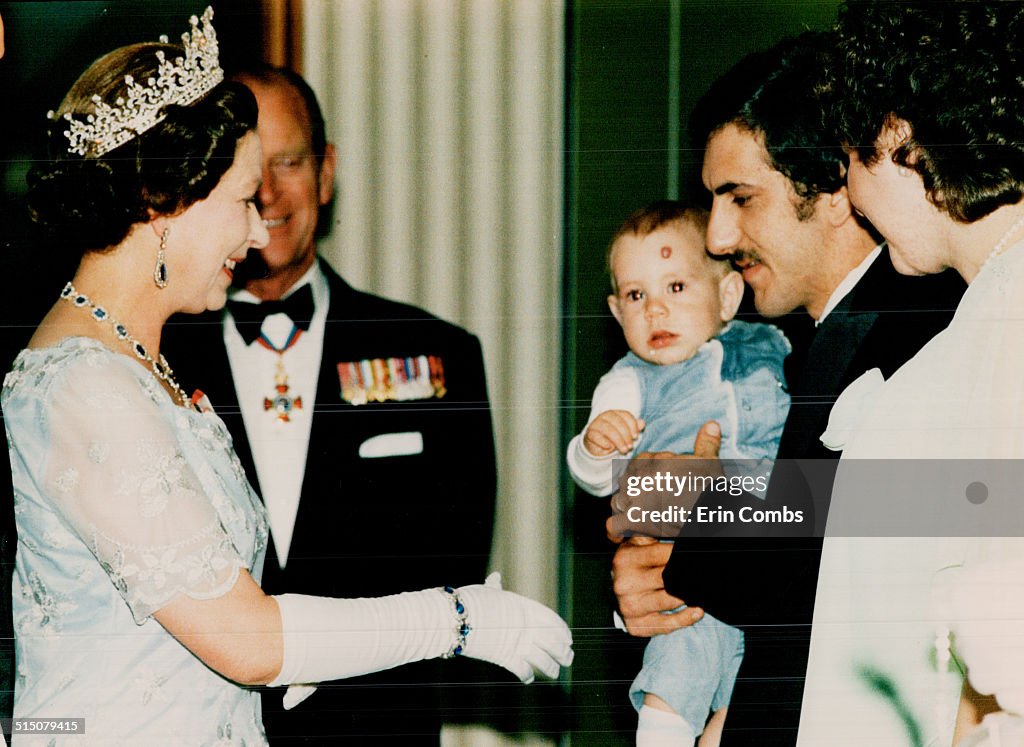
<point>743,255</point>
<point>253,267</point>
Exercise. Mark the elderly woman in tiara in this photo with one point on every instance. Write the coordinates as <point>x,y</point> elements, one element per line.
<point>136,593</point>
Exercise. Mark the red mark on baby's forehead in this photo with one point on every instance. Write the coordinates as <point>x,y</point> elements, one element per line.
<point>666,252</point>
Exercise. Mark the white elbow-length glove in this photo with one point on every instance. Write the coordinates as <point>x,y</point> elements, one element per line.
<point>329,639</point>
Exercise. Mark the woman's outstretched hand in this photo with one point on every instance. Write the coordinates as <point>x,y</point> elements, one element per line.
<point>514,632</point>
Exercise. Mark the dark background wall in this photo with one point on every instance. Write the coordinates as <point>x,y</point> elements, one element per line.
<point>635,69</point>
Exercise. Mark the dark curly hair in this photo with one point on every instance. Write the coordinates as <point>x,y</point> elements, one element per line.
<point>90,203</point>
<point>770,93</point>
<point>955,72</point>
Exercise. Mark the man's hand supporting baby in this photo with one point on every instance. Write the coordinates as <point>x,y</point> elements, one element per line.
<point>703,461</point>
<point>639,562</point>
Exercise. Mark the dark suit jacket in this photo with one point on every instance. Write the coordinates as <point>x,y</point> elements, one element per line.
<point>370,527</point>
<point>767,585</point>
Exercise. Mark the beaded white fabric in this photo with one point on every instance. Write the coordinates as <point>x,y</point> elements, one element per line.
<point>123,500</point>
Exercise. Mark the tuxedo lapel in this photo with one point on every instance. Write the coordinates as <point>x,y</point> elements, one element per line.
<point>231,408</point>
<point>201,361</point>
<point>881,323</point>
<point>829,365</point>
<point>833,350</point>
<point>319,482</point>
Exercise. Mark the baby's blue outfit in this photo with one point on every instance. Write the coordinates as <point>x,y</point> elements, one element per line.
<point>736,379</point>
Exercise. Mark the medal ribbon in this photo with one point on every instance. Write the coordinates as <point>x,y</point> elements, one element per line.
<point>293,337</point>
<point>281,403</point>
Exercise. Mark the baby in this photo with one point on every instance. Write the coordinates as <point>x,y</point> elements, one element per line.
<point>689,363</point>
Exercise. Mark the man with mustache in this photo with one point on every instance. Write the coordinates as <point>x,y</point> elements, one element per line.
<point>780,208</point>
<point>363,423</point>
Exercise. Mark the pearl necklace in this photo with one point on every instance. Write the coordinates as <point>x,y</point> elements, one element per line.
<point>160,368</point>
<point>1000,246</point>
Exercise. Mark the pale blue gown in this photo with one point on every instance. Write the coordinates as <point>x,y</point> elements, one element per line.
<point>123,500</point>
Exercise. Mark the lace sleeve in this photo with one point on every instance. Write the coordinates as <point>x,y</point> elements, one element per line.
<point>114,469</point>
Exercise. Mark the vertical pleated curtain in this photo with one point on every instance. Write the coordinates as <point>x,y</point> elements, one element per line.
<point>448,120</point>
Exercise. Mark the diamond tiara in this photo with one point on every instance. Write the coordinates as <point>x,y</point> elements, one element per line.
<point>187,79</point>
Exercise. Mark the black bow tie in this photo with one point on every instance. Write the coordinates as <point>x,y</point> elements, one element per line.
<point>249,316</point>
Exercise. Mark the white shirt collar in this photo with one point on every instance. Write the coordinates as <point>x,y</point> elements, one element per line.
<point>848,284</point>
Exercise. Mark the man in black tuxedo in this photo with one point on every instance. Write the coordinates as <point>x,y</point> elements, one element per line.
<point>363,423</point>
<point>781,211</point>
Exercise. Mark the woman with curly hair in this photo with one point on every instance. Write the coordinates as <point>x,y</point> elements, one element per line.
<point>929,99</point>
<point>137,603</point>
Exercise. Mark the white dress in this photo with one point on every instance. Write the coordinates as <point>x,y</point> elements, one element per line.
<point>122,501</point>
<point>885,603</point>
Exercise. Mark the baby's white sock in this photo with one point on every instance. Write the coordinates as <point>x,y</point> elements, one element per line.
<point>657,728</point>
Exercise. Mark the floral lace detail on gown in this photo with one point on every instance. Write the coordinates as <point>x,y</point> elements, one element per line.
<point>123,501</point>
<point>117,475</point>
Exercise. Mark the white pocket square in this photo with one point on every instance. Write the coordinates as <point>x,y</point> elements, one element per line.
<point>392,444</point>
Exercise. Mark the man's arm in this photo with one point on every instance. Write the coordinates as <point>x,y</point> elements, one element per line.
<point>747,580</point>
<point>740,580</point>
<point>758,573</point>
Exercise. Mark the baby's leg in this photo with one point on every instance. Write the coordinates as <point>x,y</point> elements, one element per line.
<point>686,675</point>
<point>660,726</point>
<point>674,689</point>
<point>712,735</point>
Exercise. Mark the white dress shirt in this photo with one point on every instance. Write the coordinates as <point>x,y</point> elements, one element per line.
<point>279,448</point>
<point>848,284</point>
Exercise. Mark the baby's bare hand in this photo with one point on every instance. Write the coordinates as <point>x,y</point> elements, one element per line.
<point>611,431</point>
